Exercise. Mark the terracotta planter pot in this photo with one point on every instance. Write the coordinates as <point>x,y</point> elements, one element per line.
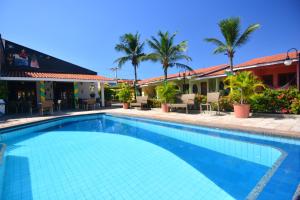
<point>164,107</point>
<point>125,105</point>
<point>241,110</point>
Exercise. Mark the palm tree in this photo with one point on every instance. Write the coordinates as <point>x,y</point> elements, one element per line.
<point>132,47</point>
<point>168,53</point>
<point>230,29</point>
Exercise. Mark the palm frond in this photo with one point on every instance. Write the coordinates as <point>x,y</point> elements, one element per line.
<point>152,57</point>
<point>214,41</point>
<point>230,29</point>
<point>220,49</point>
<point>245,36</point>
<point>121,61</point>
<point>181,66</point>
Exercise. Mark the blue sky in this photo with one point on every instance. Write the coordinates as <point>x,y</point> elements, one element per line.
<point>85,32</point>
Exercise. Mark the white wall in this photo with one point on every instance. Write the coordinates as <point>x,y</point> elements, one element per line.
<point>84,90</point>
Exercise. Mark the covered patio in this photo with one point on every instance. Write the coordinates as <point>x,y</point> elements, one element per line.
<point>27,90</point>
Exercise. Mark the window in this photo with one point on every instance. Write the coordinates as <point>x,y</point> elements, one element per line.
<point>195,89</point>
<point>286,79</point>
<point>268,80</point>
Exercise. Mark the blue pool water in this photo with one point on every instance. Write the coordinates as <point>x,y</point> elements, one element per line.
<point>110,157</point>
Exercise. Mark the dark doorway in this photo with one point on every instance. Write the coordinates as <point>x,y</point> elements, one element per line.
<point>203,86</point>
<point>21,96</point>
<point>64,91</point>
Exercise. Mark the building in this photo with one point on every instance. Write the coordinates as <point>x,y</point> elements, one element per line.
<point>270,69</point>
<point>33,77</point>
<point>273,71</point>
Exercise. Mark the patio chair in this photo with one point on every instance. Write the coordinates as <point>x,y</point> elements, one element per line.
<point>46,105</point>
<point>186,101</point>
<point>90,103</point>
<point>212,97</point>
<point>141,101</point>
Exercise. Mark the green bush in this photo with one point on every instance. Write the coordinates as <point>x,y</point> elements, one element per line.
<point>225,104</point>
<point>200,99</point>
<point>124,94</point>
<point>295,106</point>
<point>275,101</point>
<point>154,103</point>
<point>242,86</point>
<point>167,92</point>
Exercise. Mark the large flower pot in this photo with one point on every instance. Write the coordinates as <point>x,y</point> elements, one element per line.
<point>125,105</point>
<point>164,107</point>
<point>241,110</point>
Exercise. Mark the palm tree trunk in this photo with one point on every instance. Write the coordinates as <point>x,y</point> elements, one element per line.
<point>231,63</point>
<point>135,80</point>
<point>166,74</point>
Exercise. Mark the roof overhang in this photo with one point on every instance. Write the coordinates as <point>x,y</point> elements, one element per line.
<point>47,79</point>
<point>56,77</point>
<point>262,65</point>
<point>210,77</point>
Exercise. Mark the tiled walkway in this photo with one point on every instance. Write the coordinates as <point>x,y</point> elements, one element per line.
<point>269,125</point>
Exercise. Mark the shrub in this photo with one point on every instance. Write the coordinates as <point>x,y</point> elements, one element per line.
<point>167,92</point>
<point>225,104</point>
<point>154,103</point>
<point>200,98</point>
<point>124,93</point>
<point>295,106</point>
<point>242,86</point>
<point>275,101</point>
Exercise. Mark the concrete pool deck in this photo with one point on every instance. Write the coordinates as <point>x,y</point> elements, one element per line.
<point>282,126</point>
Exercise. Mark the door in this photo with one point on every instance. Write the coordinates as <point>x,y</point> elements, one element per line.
<point>64,91</point>
<point>203,86</point>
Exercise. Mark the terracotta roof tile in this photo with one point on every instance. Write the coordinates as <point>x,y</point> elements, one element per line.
<point>266,59</point>
<point>195,72</point>
<point>55,76</point>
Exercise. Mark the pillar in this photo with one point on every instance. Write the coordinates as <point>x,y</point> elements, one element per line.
<point>102,94</point>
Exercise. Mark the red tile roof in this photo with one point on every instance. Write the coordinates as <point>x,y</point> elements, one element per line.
<point>42,75</point>
<point>200,71</point>
<point>128,81</point>
<point>266,59</point>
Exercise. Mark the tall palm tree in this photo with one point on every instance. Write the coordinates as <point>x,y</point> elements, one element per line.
<point>230,29</point>
<point>132,47</point>
<point>168,53</point>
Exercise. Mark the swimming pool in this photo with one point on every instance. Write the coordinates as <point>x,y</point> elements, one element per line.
<point>113,157</point>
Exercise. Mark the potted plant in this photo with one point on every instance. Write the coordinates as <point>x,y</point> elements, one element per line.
<point>242,87</point>
<point>166,93</point>
<point>124,95</point>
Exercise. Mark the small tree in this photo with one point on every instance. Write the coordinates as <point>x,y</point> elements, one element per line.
<point>124,94</point>
<point>166,92</point>
<point>242,86</point>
